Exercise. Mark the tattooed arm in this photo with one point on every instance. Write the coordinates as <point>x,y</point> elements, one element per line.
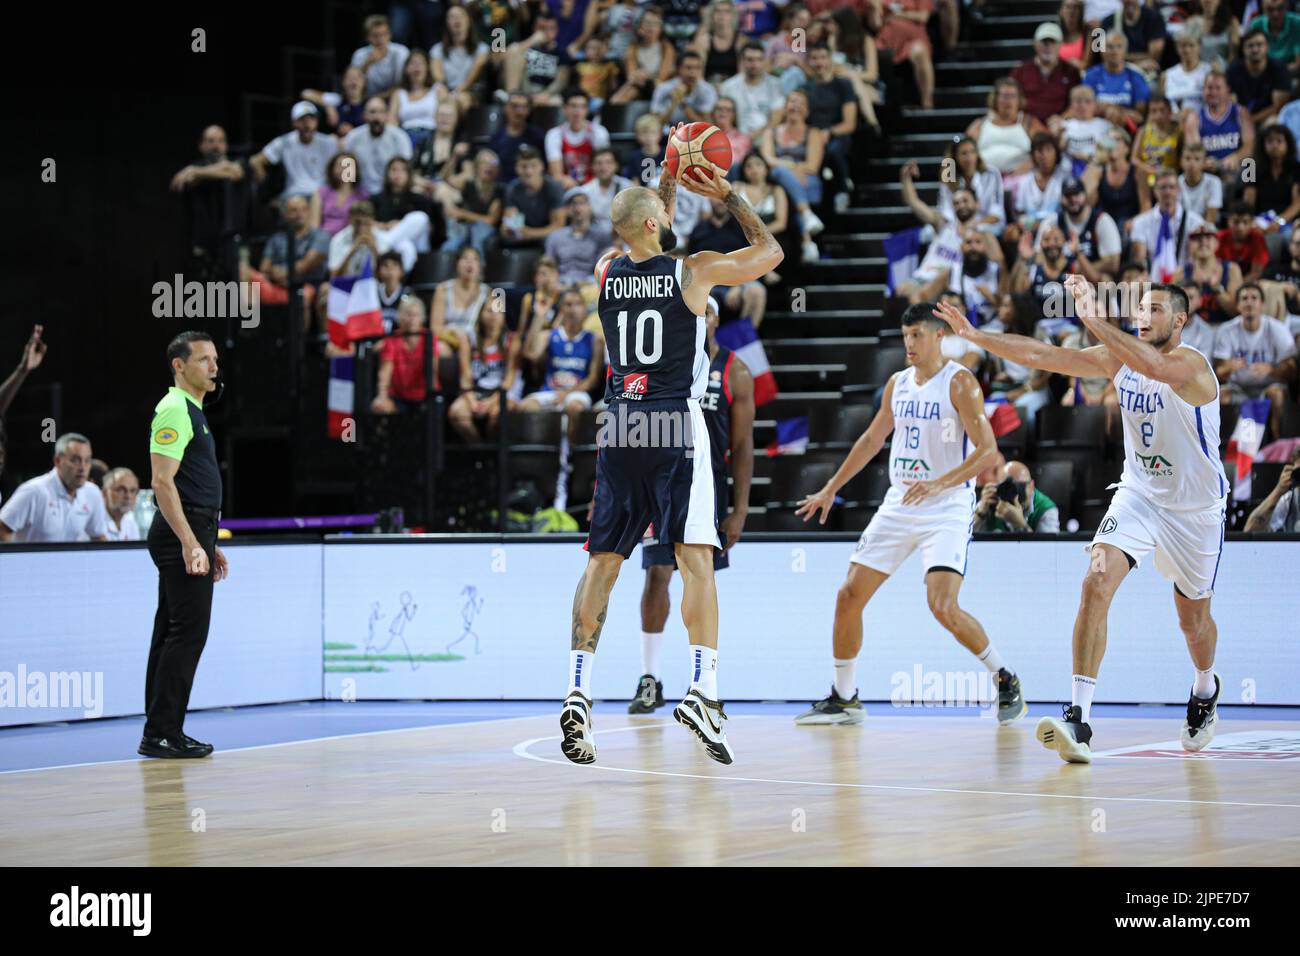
<point>703,270</point>
<point>668,192</point>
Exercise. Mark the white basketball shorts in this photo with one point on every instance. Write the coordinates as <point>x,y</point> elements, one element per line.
<point>1187,544</point>
<point>895,531</point>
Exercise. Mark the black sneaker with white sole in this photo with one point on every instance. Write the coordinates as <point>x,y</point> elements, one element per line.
<point>1069,736</point>
<point>578,742</point>
<point>1202,716</point>
<point>706,719</point>
<point>1011,702</point>
<point>649,696</point>
<point>833,709</point>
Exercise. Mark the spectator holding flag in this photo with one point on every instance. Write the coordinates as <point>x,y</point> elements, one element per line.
<point>1159,235</point>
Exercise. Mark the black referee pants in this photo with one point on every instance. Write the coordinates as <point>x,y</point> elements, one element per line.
<point>180,628</point>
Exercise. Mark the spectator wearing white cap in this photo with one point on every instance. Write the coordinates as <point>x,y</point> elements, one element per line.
<point>121,487</point>
<point>303,153</point>
<point>375,143</point>
<point>1045,78</point>
<point>60,505</point>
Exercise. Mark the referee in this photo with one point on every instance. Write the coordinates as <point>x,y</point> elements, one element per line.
<point>187,491</point>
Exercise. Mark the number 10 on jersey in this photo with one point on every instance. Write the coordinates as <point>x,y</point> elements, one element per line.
<point>656,323</point>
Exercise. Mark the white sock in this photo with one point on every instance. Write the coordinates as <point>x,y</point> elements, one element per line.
<point>650,644</point>
<point>704,670</point>
<point>580,665</point>
<point>1081,694</point>
<point>846,678</point>
<point>992,659</point>
<point>1203,687</point>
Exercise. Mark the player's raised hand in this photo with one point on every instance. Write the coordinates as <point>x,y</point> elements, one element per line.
<point>819,504</point>
<point>668,139</point>
<point>34,350</point>
<point>715,186</point>
<point>955,317</point>
<point>1085,296</point>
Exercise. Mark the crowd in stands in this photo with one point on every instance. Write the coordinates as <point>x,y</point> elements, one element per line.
<point>506,132</point>
<point>1141,142</point>
<point>469,155</point>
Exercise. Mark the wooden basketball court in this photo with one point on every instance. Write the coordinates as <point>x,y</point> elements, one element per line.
<point>900,790</point>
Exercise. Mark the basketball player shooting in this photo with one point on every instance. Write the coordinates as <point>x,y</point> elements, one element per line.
<point>652,309</point>
<point>728,406</point>
<point>1171,500</point>
<point>935,410</point>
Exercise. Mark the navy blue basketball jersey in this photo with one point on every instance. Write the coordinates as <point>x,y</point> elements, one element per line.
<point>716,405</point>
<point>656,344</point>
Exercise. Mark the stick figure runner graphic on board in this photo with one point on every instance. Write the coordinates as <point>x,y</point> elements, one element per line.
<point>470,610</point>
<point>396,628</point>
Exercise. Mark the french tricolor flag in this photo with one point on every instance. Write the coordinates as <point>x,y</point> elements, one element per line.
<point>791,437</point>
<point>354,309</point>
<point>338,402</point>
<point>1164,264</point>
<point>354,314</point>
<point>1244,444</point>
<point>740,337</point>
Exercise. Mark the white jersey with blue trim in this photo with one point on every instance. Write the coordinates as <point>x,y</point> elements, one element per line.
<point>929,439</point>
<point>1171,447</point>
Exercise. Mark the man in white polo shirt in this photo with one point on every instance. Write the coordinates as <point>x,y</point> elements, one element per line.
<point>60,505</point>
<point>121,487</point>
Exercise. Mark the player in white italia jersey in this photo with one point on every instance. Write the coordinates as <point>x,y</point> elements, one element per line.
<point>942,440</point>
<point>1169,503</point>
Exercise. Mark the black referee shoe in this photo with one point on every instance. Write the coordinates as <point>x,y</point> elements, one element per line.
<point>207,748</point>
<point>179,747</point>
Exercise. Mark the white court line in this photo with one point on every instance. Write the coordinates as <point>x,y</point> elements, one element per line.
<point>284,743</point>
<point>521,750</point>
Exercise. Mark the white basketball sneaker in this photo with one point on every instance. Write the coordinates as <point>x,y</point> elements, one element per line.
<point>705,719</point>
<point>1202,717</point>
<point>1069,736</point>
<point>578,744</point>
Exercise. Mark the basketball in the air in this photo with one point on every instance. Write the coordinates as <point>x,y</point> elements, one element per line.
<point>697,146</point>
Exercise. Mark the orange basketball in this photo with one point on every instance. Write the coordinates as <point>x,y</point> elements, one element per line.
<point>698,145</point>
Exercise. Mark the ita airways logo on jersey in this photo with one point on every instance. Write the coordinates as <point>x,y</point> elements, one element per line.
<point>636,385</point>
<point>1156,466</point>
<point>912,468</point>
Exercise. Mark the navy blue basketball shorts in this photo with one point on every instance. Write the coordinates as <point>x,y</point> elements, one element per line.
<point>655,555</point>
<point>660,476</point>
